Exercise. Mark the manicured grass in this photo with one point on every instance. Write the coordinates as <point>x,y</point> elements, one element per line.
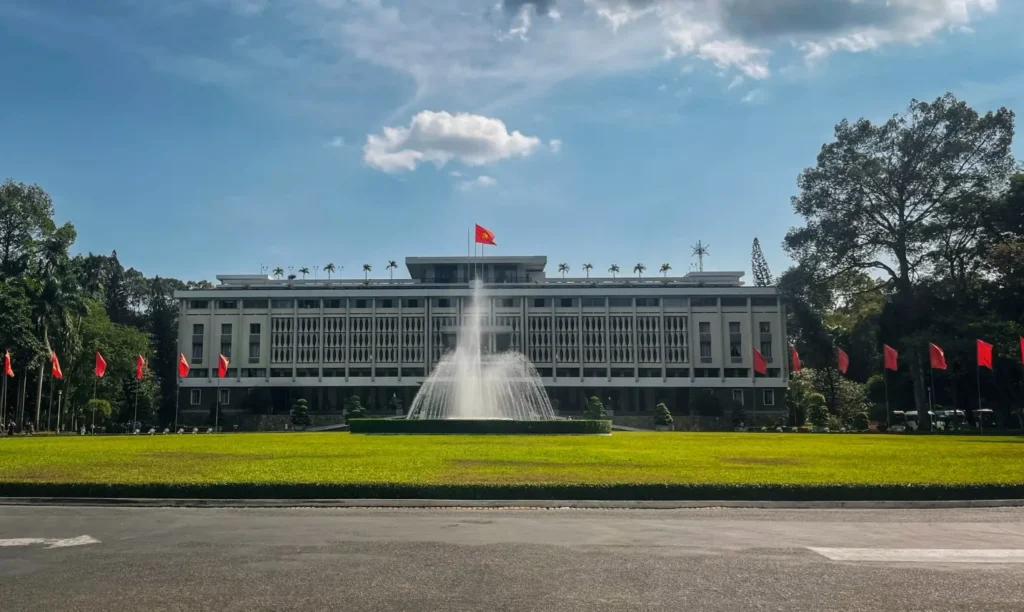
<point>623,458</point>
<point>477,426</point>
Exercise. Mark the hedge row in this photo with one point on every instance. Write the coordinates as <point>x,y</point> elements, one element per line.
<point>611,492</point>
<point>483,426</point>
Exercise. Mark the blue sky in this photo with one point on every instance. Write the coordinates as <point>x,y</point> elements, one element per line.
<point>200,137</point>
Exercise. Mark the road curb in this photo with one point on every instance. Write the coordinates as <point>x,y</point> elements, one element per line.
<point>505,504</point>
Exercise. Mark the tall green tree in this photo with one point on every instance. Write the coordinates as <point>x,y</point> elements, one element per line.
<point>883,198</point>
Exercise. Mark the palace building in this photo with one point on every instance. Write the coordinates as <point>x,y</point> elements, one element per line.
<point>632,341</point>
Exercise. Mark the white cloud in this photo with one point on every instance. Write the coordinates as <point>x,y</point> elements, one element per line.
<point>736,82</point>
<point>451,52</point>
<point>555,145</point>
<point>440,137</point>
<point>336,143</point>
<point>480,182</point>
<point>754,96</point>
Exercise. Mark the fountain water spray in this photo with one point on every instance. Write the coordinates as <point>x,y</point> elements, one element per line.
<point>465,385</point>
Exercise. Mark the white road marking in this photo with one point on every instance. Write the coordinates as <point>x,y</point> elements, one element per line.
<point>923,555</point>
<point>50,542</point>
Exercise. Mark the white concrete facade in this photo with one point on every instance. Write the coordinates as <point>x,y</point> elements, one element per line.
<point>698,330</point>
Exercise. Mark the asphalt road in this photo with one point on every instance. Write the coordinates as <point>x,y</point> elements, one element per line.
<point>530,560</point>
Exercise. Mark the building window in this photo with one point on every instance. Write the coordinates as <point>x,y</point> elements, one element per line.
<point>737,373</point>
<point>254,343</point>
<point>737,396</point>
<point>647,302</point>
<point>443,302</point>
<point>225,340</point>
<point>255,303</point>
<point>195,397</point>
<point>198,373</point>
<point>254,373</point>
<point>567,303</point>
<point>593,302</point>
<point>199,304</point>
<point>704,302</point>
<point>225,396</point>
<point>766,339</point>
<point>768,397</point>
<point>704,329</point>
<point>541,303</point>
<point>385,303</point>
<point>309,304</point>
<point>283,304</point>
<point>620,302</point>
<point>649,373</point>
<point>508,303</point>
<point>763,302</point>
<point>360,304</point>
<point>227,304</point>
<point>734,302</point>
<point>675,302</point>
<point>197,343</point>
<point>735,342</point>
<point>335,304</point>
<point>411,303</point>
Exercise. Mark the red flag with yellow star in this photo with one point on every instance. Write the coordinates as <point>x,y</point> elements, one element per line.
<point>484,236</point>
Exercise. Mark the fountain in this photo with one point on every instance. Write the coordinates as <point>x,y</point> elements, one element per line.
<point>467,385</point>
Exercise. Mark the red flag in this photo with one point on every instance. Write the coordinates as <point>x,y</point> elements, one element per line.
<point>844,360</point>
<point>484,236</point>
<point>984,354</point>
<point>183,366</point>
<point>139,364</point>
<point>891,358</point>
<point>101,365</point>
<point>795,356</point>
<point>10,372</point>
<point>222,366</point>
<point>937,357</point>
<point>760,363</point>
<point>55,367</point>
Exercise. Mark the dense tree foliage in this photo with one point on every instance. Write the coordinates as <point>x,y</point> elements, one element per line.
<point>913,233</point>
<point>76,306</point>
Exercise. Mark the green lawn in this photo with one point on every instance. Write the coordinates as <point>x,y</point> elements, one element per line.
<point>623,458</point>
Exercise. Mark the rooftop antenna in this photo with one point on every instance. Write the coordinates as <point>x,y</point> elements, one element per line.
<point>699,252</point>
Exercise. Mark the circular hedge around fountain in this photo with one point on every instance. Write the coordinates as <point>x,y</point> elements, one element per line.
<point>477,426</point>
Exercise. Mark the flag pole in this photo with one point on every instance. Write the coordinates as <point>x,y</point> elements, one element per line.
<point>138,383</point>
<point>95,383</point>
<point>177,394</point>
<point>49,408</point>
<point>931,399</point>
<point>216,408</point>
<point>885,378</point>
<point>977,378</point>
<point>3,406</point>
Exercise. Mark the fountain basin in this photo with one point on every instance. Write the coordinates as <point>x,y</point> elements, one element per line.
<point>479,426</point>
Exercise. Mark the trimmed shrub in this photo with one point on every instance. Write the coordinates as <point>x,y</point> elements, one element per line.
<point>860,421</point>
<point>817,411</point>
<point>483,426</point>
<point>595,409</point>
<point>354,408</point>
<point>300,414</point>
<point>662,415</point>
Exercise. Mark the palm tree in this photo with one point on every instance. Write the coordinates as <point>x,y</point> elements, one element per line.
<point>303,271</point>
<point>391,268</point>
<point>614,269</point>
<point>639,269</point>
<point>367,268</point>
<point>563,268</point>
<point>665,267</point>
<point>329,269</point>
<point>278,272</point>
<point>587,268</point>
